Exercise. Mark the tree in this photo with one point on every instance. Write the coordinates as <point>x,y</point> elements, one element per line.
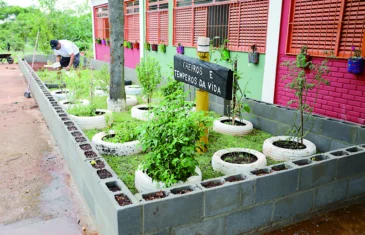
<point>117,97</point>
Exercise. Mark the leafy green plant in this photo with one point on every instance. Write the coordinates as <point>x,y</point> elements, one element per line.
<point>124,131</point>
<point>83,110</point>
<point>237,107</point>
<point>149,75</point>
<point>302,83</point>
<point>102,78</point>
<point>172,137</point>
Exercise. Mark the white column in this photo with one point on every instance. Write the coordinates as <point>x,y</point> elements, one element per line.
<point>272,49</point>
<point>142,31</point>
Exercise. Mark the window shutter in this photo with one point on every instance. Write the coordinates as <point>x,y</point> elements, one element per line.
<point>164,26</point>
<point>200,23</point>
<point>253,24</point>
<point>131,21</point>
<point>183,29</point>
<point>234,26</point>
<point>353,23</point>
<point>152,26</point>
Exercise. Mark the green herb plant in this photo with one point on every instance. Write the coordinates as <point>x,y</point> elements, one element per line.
<point>303,82</point>
<point>172,137</point>
<point>124,131</point>
<point>149,75</point>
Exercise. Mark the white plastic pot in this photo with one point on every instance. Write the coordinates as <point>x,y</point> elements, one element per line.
<point>118,149</point>
<point>231,168</point>
<point>282,154</point>
<point>227,129</point>
<point>144,183</point>
<point>94,122</point>
<point>60,94</point>
<point>141,114</point>
<point>66,106</point>
<point>133,90</point>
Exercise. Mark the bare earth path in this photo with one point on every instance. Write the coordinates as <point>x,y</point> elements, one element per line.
<point>37,194</point>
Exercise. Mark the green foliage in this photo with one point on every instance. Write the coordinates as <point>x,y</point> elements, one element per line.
<point>172,137</point>
<point>125,131</point>
<point>171,87</point>
<point>82,110</point>
<point>302,82</point>
<point>102,78</point>
<point>149,75</point>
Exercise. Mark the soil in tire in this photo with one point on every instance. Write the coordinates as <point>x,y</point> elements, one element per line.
<point>239,158</point>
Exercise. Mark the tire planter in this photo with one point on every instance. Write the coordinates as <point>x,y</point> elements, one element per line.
<point>140,114</point>
<point>144,183</point>
<point>227,129</point>
<point>52,86</point>
<point>118,149</point>
<point>131,100</point>
<point>68,106</point>
<point>94,122</point>
<point>58,95</point>
<point>283,154</point>
<point>227,168</point>
<point>133,90</point>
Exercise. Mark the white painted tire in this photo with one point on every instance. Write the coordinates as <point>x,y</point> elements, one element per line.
<point>60,96</point>
<point>226,129</point>
<point>133,90</point>
<point>118,149</point>
<point>281,154</point>
<point>68,106</point>
<point>94,122</point>
<point>144,183</point>
<point>143,115</point>
<point>231,168</point>
<point>131,100</point>
<point>100,93</point>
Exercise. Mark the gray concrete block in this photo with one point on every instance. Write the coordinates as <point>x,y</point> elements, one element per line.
<point>173,211</point>
<point>261,109</point>
<point>338,130</point>
<point>331,193</point>
<point>89,198</point>
<point>283,115</point>
<point>268,125</point>
<point>283,129</point>
<point>246,220</point>
<point>351,165</point>
<point>248,192</point>
<point>356,187</point>
<point>217,108</point>
<point>323,144</point>
<point>317,173</point>
<point>229,197</point>
<point>335,144</point>
<point>276,185</point>
<point>312,123</point>
<point>252,118</point>
<point>209,227</point>
<point>130,220</point>
<point>360,135</point>
<point>293,205</point>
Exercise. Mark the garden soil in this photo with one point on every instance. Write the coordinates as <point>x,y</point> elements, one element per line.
<point>37,193</point>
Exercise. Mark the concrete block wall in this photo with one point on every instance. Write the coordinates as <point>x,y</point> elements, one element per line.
<point>255,203</point>
<point>327,133</point>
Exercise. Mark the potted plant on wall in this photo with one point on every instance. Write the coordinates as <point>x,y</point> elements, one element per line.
<point>149,75</point>
<point>180,49</point>
<point>154,47</point>
<point>98,41</point>
<point>303,58</point>
<point>107,41</point>
<point>253,57</point>
<point>225,54</point>
<point>147,46</point>
<point>136,45</point>
<point>162,47</point>
<point>171,138</point>
<point>125,44</point>
<point>103,41</point>
<point>355,63</point>
<point>292,147</point>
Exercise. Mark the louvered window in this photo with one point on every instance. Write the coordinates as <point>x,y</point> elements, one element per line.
<point>101,22</point>
<point>157,21</point>
<point>131,21</point>
<point>243,23</point>
<point>326,26</point>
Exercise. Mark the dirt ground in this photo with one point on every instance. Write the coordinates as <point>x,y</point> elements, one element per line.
<point>37,195</point>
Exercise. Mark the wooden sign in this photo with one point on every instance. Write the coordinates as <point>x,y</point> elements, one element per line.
<point>209,77</point>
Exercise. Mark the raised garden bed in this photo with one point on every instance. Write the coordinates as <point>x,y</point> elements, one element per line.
<point>326,181</point>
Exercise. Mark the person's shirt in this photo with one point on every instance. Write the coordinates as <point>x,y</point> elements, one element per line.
<point>67,48</point>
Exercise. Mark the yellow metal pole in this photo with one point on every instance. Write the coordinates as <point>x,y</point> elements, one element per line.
<point>202,97</point>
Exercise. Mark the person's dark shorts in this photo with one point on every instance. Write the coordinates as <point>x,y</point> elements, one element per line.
<point>65,61</point>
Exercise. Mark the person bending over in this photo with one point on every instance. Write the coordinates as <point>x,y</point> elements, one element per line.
<point>67,53</point>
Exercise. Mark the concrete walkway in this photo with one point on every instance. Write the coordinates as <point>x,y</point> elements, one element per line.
<point>37,194</point>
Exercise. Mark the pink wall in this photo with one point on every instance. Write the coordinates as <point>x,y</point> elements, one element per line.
<point>131,56</point>
<point>343,99</point>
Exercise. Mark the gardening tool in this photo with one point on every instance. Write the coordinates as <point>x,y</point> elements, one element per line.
<point>27,93</point>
